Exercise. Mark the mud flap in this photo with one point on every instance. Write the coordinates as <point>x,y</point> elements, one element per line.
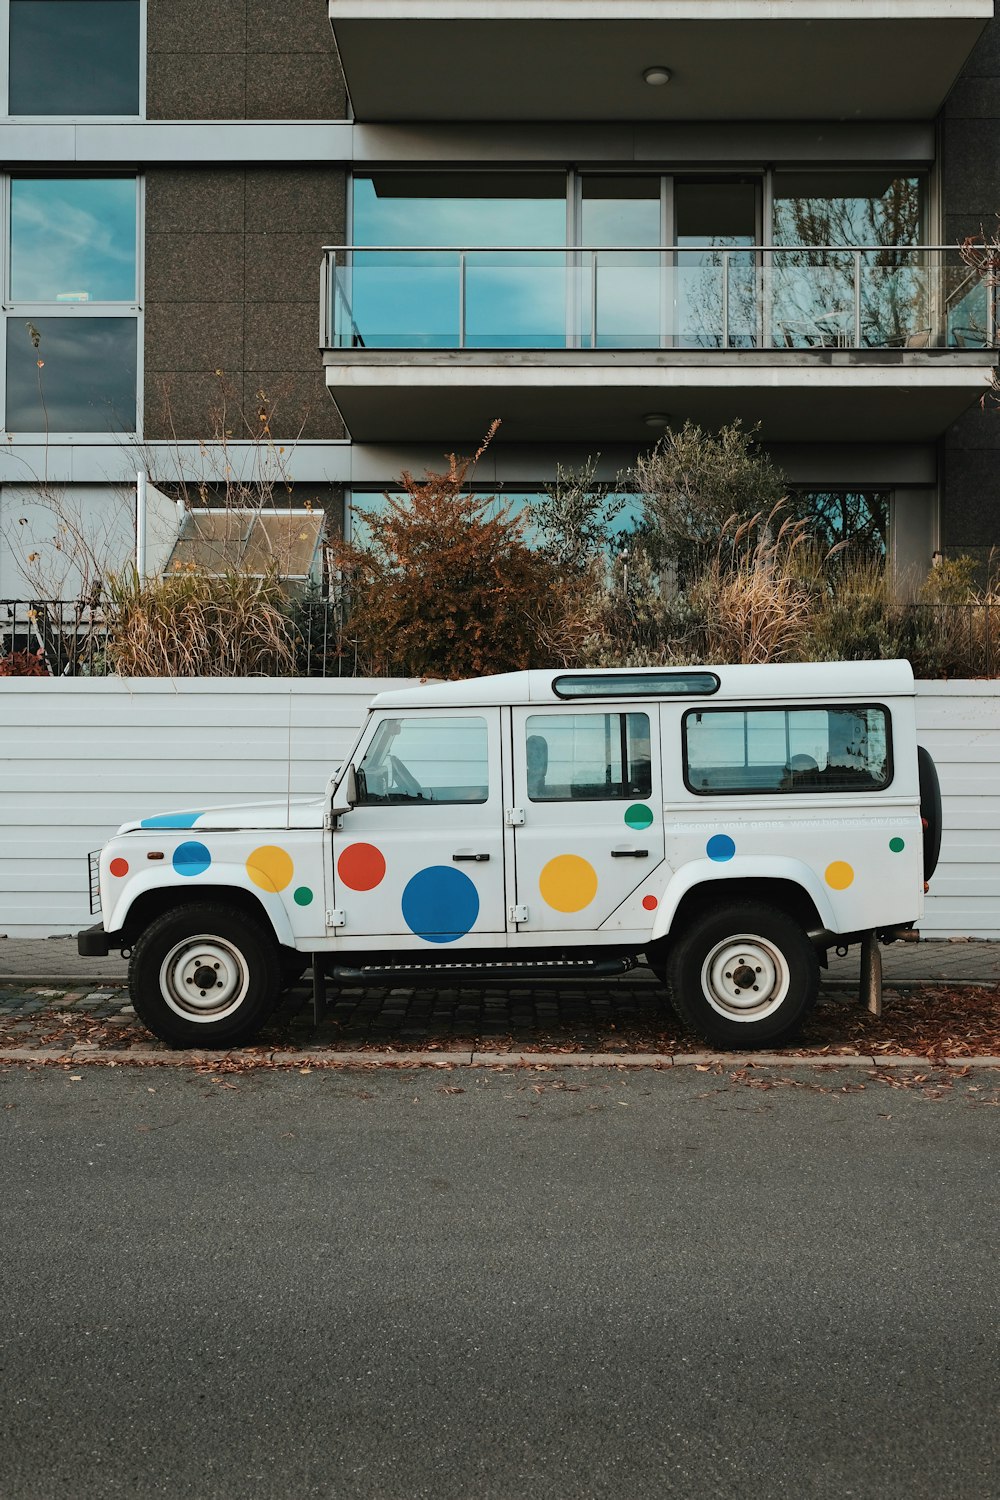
<point>871,974</point>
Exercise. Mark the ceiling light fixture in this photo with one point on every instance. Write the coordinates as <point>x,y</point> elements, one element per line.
<point>656,76</point>
<point>657,419</point>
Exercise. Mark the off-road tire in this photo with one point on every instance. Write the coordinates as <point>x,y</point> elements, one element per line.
<point>204,975</point>
<point>743,976</point>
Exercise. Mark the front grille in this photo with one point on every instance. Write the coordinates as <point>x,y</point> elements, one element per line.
<point>94,876</point>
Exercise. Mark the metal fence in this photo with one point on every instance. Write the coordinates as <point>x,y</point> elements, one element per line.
<point>69,638</point>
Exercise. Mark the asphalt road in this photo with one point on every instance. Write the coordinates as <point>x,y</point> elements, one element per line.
<point>496,1284</point>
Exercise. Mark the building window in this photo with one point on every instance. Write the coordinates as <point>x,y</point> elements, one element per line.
<point>71,304</point>
<point>74,57</point>
<point>857,521</point>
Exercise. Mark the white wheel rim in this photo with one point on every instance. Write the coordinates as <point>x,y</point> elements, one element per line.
<point>204,978</point>
<point>745,977</point>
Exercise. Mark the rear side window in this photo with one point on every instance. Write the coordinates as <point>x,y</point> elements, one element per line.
<point>766,750</point>
<point>592,756</point>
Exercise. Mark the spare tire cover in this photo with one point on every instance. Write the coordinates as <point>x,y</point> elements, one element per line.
<point>930,809</point>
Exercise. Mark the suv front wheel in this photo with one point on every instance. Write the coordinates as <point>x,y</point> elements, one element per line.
<point>204,976</point>
<point>745,976</point>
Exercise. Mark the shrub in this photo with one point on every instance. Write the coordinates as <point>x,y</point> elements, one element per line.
<point>447,585</point>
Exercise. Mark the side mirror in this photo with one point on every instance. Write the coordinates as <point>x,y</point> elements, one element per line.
<point>345,792</point>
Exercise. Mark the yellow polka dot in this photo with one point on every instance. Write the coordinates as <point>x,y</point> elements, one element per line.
<point>839,875</point>
<point>568,883</point>
<point>270,868</point>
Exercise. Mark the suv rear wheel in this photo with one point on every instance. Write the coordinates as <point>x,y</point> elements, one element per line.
<point>743,976</point>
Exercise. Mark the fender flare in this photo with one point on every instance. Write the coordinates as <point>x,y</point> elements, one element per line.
<point>223,876</point>
<point>706,872</point>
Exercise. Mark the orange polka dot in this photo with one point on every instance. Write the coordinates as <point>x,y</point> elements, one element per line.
<point>118,867</point>
<point>650,903</point>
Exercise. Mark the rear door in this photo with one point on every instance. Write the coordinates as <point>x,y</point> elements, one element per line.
<point>588,829</point>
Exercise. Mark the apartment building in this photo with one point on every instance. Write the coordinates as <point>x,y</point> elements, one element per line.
<point>348,234</point>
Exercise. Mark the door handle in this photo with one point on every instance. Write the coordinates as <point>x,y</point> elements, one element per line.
<point>630,854</point>
<point>479,859</point>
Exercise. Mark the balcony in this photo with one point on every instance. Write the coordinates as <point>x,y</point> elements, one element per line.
<point>422,60</point>
<point>862,344</point>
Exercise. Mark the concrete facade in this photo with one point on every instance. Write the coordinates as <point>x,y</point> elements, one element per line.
<point>250,129</point>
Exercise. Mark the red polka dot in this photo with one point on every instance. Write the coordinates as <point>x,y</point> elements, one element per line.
<point>650,903</point>
<point>118,867</point>
<point>361,866</point>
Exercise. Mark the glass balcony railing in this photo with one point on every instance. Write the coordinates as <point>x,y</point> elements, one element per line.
<point>690,297</point>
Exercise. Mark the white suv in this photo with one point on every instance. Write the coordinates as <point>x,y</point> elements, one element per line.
<point>726,824</point>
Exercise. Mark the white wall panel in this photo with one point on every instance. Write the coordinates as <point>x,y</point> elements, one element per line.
<point>959,722</point>
<point>79,756</point>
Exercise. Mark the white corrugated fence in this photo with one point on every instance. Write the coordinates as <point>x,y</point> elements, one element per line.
<point>80,755</point>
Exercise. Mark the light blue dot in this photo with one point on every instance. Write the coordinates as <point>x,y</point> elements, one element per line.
<point>171,820</point>
<point>720,847</point>
<point>440,904</point>
<point>191,858</point>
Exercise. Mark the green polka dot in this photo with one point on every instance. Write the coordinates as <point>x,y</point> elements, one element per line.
<point>897,846</point>
<point>638,816</point>
<point>303,896</point>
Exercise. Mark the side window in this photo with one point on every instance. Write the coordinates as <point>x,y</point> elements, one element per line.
<point>787,750</point>
<point>597,756</point>
<point>425,759</point>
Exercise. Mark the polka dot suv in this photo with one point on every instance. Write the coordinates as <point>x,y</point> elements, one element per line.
<point>723,825</point>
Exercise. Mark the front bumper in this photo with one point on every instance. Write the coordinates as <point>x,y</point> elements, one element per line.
<point>94,942</point>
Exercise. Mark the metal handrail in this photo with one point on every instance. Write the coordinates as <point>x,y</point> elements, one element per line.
<point>635,249</point>
<point>844,327</point>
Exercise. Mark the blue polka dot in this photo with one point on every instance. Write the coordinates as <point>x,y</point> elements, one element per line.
<point>191,858</point>
<point>720,847</point>
<point>440,904</point>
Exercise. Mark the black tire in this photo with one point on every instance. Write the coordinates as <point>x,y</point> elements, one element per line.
<point>930,809</point>
<point>743,976</point>
<point>180,951</point>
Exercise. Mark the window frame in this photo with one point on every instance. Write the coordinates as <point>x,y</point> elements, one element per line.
<point>788,708</point>
<point>130,311</point>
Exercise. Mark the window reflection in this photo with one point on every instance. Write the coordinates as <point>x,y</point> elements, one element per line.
<point>418,301</point>
<point>87,378</point>
<point>74,57</point>
<point>814,292</point>
<point>72,239</point>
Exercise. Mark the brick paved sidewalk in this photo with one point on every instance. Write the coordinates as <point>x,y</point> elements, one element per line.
<point>623,1015</point>
<point>959,961</point>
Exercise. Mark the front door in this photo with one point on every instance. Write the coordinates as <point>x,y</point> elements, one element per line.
<point>587,785</point>
<point>421,852</point>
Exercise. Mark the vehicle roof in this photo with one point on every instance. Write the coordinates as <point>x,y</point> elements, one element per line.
<point>859,681</point>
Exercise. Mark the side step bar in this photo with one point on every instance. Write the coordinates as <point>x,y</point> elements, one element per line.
<point>509,972</point>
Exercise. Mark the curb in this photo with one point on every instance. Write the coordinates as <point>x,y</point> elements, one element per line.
<point>146,1056</point>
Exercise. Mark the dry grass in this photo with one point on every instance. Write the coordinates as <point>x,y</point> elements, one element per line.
<point>191,625</point>
<point>756,607</point>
